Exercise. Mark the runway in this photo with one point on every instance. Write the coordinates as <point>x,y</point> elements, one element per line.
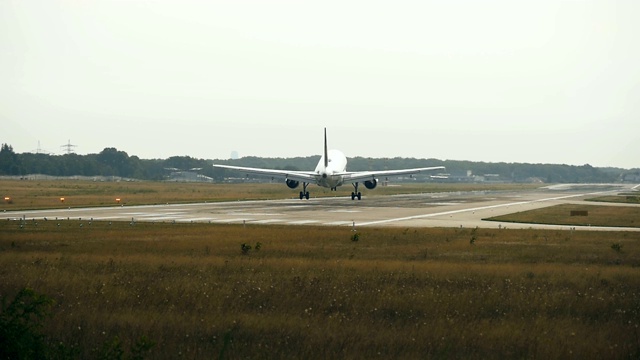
<point>453,209</point>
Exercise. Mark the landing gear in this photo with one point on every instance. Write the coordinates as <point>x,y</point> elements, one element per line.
<point>304,194</point>
<point>356,194</point>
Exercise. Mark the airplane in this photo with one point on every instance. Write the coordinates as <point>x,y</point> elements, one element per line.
<point>330,172</point>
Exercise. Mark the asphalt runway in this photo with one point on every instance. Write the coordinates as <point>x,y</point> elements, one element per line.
<point>453,209</point>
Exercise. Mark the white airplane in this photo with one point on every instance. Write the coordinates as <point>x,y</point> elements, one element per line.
<point>331,172</point>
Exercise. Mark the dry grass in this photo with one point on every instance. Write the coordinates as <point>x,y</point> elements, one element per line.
<point>310,292</point>
<point>617,216</point>
<point>625,198</point>
<point>47,194</point>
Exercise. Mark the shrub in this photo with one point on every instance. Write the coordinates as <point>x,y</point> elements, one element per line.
<point>245,248</point>
<point>617,247</point>
<point>20,325</point>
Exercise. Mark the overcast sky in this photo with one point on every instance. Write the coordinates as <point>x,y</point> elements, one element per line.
<point>514,81</point>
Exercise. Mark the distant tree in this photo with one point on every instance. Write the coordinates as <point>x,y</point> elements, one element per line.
<point>114,162</point>
<point>183,163</point>
<point>9,161</point>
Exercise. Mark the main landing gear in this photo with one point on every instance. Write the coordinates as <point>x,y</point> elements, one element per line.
<point>356,194</point>
<point>304,194</point>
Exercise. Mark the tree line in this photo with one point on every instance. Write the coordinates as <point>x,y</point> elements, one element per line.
<point>114,162</point>
<point>109,162</point>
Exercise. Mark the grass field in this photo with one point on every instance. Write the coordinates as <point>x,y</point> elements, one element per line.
<point>629,198</point>
<point>311,292</point>
<point>593,215</point>
<point>46,194</point>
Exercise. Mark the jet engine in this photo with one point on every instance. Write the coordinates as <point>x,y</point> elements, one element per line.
<point>371,184</point>
<point>292,184</point>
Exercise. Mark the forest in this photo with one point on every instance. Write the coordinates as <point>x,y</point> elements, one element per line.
<point>112,162</point>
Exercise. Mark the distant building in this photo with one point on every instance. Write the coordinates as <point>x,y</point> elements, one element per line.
<point>188,176</point>
<point>234,155</point>
<point>631,177</point>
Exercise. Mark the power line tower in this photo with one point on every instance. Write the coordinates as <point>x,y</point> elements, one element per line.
<point>68,147</point>
<point>39,150</point>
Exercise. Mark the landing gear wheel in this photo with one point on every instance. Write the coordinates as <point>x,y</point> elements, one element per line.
<point>304,194</point>
<point>356,193</point>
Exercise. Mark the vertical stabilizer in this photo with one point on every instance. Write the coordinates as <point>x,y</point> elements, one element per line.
<point>326,151</point>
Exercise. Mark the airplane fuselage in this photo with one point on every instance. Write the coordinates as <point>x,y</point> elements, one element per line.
<point>329,176</point>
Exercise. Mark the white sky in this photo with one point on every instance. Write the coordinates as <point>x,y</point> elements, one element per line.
<point>515,81</point>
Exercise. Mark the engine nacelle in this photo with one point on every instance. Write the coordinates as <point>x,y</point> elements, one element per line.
<point>371,184</point>
<point>292,184</point>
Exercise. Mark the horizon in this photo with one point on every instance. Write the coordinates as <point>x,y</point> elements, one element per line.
<point>318,155</point>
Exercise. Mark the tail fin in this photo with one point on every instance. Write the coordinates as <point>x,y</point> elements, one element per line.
<point>326,151</point>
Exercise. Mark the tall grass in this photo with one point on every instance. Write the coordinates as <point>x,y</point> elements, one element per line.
<point>313,293</point>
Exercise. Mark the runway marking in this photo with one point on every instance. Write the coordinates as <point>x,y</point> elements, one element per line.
<point>108,218</point>
<point>253,214</point>
<point>339,223</point>
<point>195,219</point>
<point>160,218</point>
<point>147,215</point>
<point>344,211</point>
<point>267,221</point>
<point>303,222</point>
<point>415,217</point>
<point>231,220</point>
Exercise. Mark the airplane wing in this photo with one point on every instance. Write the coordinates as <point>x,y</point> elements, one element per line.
<point>305,176</point>
<point>372,175</point>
